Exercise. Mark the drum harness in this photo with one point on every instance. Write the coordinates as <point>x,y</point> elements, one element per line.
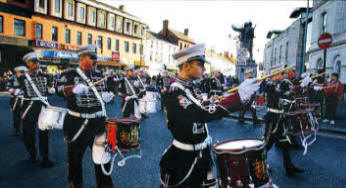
<point>189,147</point>
<point>39,96</point>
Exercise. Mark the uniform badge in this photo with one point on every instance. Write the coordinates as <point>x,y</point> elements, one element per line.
<point>183,101</point>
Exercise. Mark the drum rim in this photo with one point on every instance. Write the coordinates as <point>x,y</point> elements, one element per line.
<point>122,120</point>
<point>237,150</point>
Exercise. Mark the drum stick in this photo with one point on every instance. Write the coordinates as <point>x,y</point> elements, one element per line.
<point>315,76</point>
<point>97,82</point>
<point>258,80</point>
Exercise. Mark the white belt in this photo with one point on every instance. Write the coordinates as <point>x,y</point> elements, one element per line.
<point>87,116</point>
<point>192,147</point>
<point>35,98</point>
<point>276,111</point>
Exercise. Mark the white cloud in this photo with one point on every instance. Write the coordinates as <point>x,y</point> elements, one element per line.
<point>210,21</point>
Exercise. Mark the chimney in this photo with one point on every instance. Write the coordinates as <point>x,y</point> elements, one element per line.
<point>226,54</point>
<point>186,32</point>
<point>165,27</point>
<point>122,7</point>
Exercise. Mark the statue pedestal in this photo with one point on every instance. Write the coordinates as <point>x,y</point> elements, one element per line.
<point>241,69</point>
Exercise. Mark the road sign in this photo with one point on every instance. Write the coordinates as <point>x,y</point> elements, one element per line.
<point>325,40</point>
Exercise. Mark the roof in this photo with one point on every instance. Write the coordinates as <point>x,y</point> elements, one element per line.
<point>181,36</point>
<point>298,11</point>
<point>276,32</point>
<point>160,37</point>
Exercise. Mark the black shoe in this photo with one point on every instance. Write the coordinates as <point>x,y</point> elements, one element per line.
<point>291,170</point>
<point>241,121</point>
<point>32,160</point>
<point>47,164</point>
<point>255,122</point>
<point>145,116</point>
<point>15,133</point>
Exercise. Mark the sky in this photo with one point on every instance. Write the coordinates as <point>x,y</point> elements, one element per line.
<point>210,21</point>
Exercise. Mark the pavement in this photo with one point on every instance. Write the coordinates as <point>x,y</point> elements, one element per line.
<point>325,162</point>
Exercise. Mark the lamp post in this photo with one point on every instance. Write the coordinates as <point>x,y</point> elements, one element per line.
<point>305,37</point>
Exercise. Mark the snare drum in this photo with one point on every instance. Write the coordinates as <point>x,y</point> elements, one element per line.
<point>242,163</point>
<point>124,133</point>
<point>302,122</point>
<point>51,118</point>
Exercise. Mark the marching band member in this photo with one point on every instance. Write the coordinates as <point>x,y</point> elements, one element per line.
<point>130,89</point>
<point>163,84</point>
<point>35,87</point>
<point>249,105</point>
<point>318,93</point>
<point>16,101</point>
<point>187,161</point>
<point>84,124</point>
<point>275,90</point>
<point>334,92</point>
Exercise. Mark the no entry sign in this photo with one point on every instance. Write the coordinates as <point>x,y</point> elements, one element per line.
<point>325,40</point>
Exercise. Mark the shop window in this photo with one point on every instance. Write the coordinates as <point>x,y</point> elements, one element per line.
<point>38,31</point>
<point>54,34</point>
<point>79,38</point>
<point>19,27</point>
<point>67,36</point>
<point>126,46</point>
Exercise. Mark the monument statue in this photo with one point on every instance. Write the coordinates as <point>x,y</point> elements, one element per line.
<point>247,33</point>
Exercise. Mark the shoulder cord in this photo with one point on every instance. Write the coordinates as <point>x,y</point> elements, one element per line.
<point>35,89</point>
<point>85,78</point>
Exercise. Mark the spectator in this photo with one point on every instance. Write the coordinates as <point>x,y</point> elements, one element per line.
<point>334,91</point>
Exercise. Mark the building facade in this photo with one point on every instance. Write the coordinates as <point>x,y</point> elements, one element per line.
<point>284,48</point>
<point>57,28</point>
<point>158,53</point>
<point>329,16</point>
<point>225,63</point>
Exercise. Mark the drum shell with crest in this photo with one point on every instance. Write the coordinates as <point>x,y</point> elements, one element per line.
<point>127,135</point>
<point>242,162</point>
<point>302,122</point>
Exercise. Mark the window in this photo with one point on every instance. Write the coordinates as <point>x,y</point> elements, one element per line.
<point>286,53</point>
<point>1,24</point>
<point>54,34</point>
<point>128,26</point>
<point>135,29</point>
<point>81,13</point>
<point>119,25</point>
<point>319,64</point>
<point>181,46</point>
<point>19,27</point>
<point>39,31</point>
<point>275,54</point>
<point>79,38</point>
<point>70,9</point>
<point>134,48</point>
<point>93,16</point>
<point>90,39</point>
<point>126,46</point>
<point>324,22</point>
<point>99,42</point>
<point>41,3</point>
<point>280,52</point>
<point>109,43</point>
<point>141,49</point>
<point>57,6</point>
<point>116,45</point>
<point>67,36</point>
<point>338,67</point>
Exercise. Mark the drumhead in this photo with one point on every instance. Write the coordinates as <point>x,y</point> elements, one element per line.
<point>239,144</point>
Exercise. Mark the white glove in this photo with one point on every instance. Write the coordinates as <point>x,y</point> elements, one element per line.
<point>127,98</point>
<point>306,81</point>
<point>51,90</point>
<point>317,88</point>
<point>16,91</point>
<point>248,88</point>
<point>107,96</point>
<point>80,89</point>
<point>11,90</point>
